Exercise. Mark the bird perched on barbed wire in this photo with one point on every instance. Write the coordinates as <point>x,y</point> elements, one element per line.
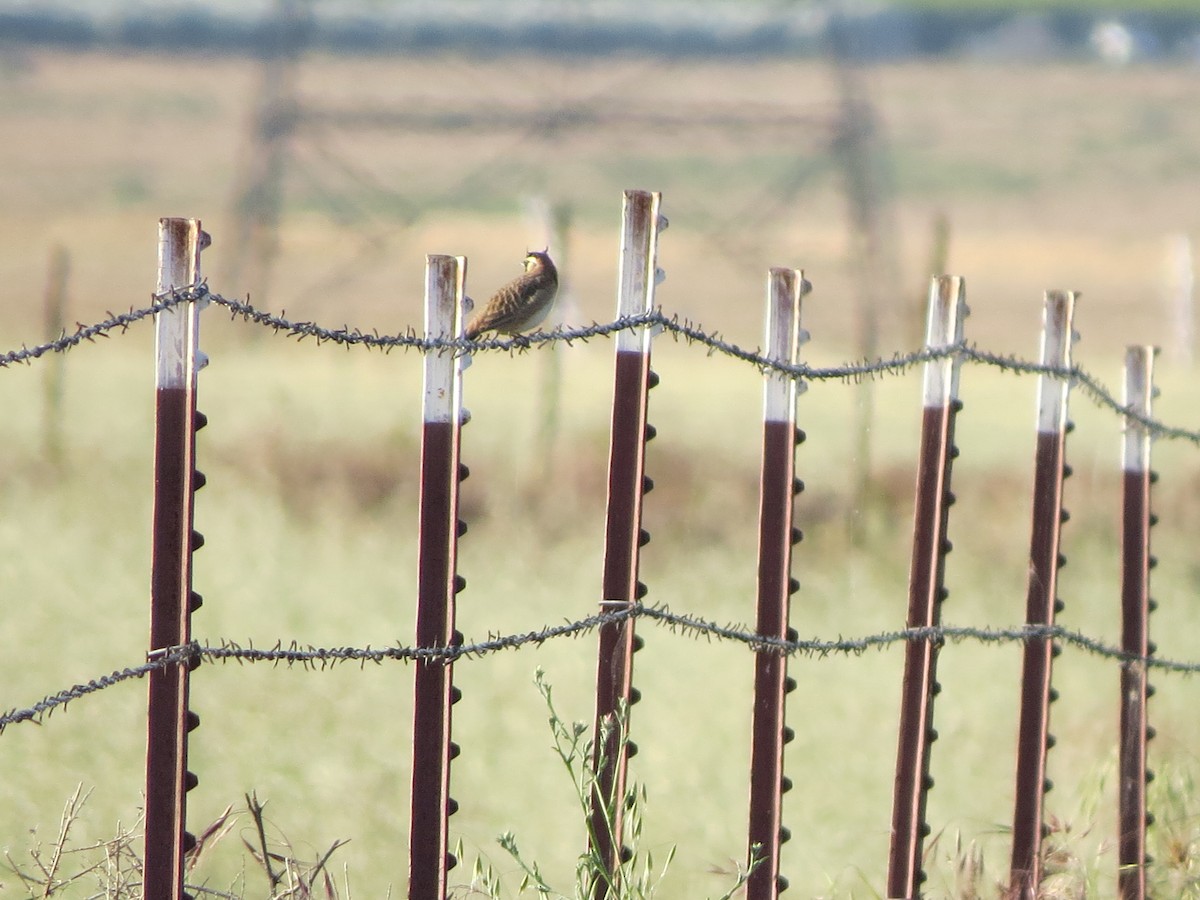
<point>521,304</point>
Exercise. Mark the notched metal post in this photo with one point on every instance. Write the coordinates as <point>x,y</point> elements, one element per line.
<point>1136,520</point>
<point>642,222</point>
<point>926,590</point>
<point>437,582</point>
<point>769,734</point>
<point>177,362</point>
<point>1042,601</point>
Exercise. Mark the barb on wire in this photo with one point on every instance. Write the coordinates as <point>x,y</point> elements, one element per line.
<point>684,329</point>
<point>687,625</point>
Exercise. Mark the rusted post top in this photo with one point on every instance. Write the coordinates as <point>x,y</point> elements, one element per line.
<point>1058,335</point>
<point>641,222</point>
<point>947,310</point>
<point>1139,394</point>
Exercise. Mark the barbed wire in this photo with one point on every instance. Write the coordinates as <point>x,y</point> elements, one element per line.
<point>48,704</point>
<point>684,329</point>
<point>694,627</point>
<point>115,321</point>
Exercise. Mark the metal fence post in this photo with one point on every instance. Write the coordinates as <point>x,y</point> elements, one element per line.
<point>438,582</point>
<point>778,487</point>
<point>926,591</point>
<point>1034,739</point>
<point>172,600</point>
<point>1136,604</point>
<point>623,534</point>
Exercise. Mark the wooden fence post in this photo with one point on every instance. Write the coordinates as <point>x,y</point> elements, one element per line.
<point>55,307</point>
<point>543,479</point>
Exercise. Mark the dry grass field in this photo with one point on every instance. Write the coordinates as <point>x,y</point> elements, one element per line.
<point>1066,176</point>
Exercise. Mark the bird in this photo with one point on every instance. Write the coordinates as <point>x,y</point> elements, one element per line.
<point>521,304</point>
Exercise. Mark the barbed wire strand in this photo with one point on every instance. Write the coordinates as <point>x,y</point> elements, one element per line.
<point>47,705</point>
<point>691,333</point>
<point>687,625</point>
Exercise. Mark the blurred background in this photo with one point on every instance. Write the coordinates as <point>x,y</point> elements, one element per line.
<point>329,146</point>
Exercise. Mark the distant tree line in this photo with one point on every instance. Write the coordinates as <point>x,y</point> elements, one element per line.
<point>887,33</point>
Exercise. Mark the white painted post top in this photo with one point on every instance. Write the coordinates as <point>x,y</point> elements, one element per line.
<point>445,279</point>
<point>785,290</point>
<point>641,223</point>
<point>175,334</point>
<point>1139,394</point>
<point>947,310</point>
<point>1058,335</point>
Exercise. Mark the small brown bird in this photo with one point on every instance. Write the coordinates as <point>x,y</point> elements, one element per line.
<point>521,304</point>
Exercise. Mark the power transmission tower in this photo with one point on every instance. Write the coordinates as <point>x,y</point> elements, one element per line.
<point>259,197</point>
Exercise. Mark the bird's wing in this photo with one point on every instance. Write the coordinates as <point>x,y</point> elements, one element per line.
<point>503,310</point>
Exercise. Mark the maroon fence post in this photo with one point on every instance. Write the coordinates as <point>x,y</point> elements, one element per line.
<point>623,534</point>
<point>437,583</point>
<point>1042,601</point>
<point>926,591</point>
<point>776,535</point>
<point>1135,633</point>
<point>178,359</point>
